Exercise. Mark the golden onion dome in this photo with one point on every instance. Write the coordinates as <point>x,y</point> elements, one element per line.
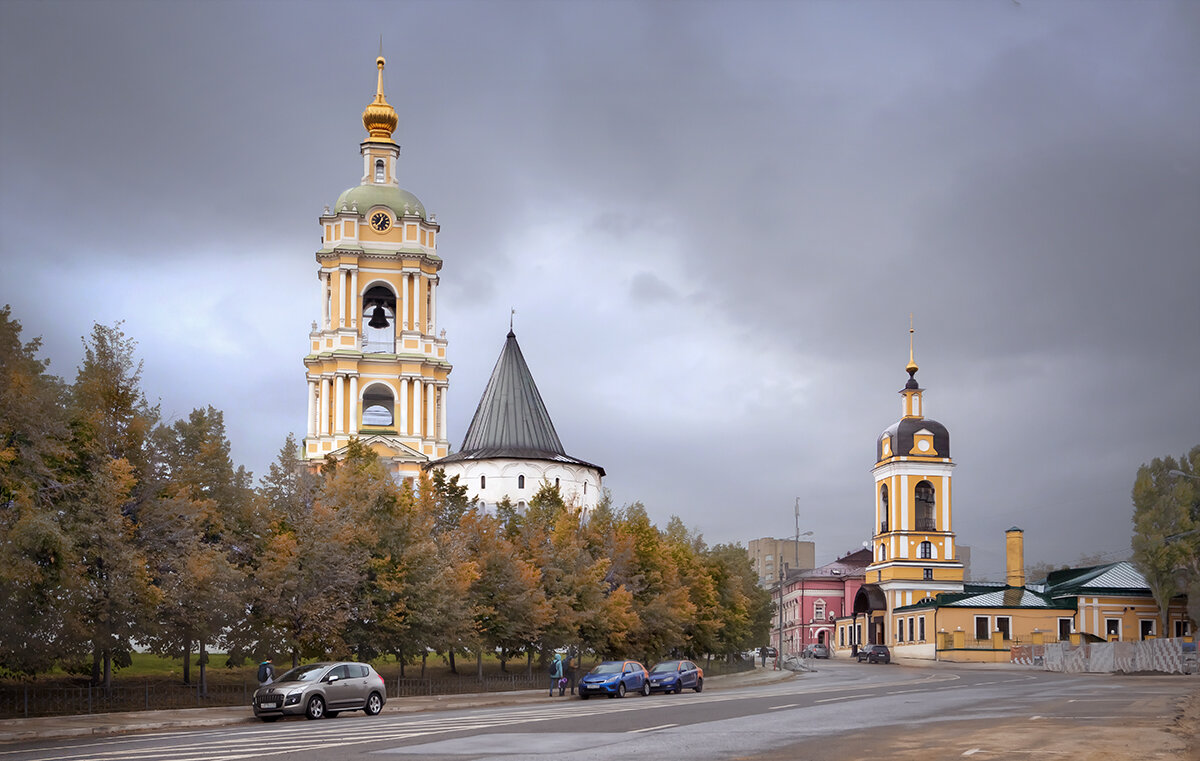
<point>379,117</point>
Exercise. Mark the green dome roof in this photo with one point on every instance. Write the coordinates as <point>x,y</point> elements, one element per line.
<point>365,196</point>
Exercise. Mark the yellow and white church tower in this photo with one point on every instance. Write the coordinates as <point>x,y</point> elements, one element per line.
<point>913,537</point>
<point>377,367</point>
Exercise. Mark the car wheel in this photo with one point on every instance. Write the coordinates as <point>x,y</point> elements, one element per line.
<point>374,705</point>
<point>620,689</point>
<point>315,708</point>
<point>699,685</point>
<point>645,689</point>
<point>679,687</point>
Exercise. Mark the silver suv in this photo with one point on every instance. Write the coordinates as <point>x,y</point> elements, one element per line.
<point>322,689</point>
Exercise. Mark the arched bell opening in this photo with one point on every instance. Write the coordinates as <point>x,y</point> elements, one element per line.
<point>379,320</point>
<point>378,407</point>
<point>925,499</point>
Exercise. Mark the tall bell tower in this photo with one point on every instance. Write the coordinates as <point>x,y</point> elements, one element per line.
<point>377,367</point>
<point>913,536</point>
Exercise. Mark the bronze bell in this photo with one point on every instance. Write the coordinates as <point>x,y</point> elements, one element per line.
<point>378,318</point>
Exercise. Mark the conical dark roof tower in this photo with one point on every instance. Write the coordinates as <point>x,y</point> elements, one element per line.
<point>511,420</point>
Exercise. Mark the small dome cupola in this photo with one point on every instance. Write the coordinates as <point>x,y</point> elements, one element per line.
<point>914,435</point>
<point>379,117</point>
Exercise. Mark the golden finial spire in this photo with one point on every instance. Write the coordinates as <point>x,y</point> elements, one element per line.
<point>911,369</point>
<point>380,118</point>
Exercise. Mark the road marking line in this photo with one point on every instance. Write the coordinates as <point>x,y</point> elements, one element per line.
<point>972,751</point>
<point>789,705</point>
<point>651,729</point>
<point>844,697</point>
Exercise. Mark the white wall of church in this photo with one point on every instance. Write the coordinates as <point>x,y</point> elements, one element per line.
<point>492,480</point>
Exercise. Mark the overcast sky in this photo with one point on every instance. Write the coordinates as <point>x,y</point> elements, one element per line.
<point>713,220</point>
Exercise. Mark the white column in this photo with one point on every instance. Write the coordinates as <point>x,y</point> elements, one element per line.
<point>442,416</point>
<point>324,406</point>
<point>405,279</point>
<point>312,408</point>
<point>341,298</point>
<point>403,407</point>
<point>354,403</point>
<point>339,421</point>
<point>354,298</point>
<point>430,430</point>
<point>416,418</point>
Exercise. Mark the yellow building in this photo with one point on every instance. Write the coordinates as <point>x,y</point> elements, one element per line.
<point>913,542</point>
<point>377,367</point>
<point>914,599</point>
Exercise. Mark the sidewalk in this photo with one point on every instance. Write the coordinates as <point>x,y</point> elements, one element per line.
<point>57,727</point>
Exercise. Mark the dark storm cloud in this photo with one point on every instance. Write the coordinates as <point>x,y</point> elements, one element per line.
<point>713,220</point>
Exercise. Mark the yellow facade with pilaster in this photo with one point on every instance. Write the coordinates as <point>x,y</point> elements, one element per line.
<point>377,368</point>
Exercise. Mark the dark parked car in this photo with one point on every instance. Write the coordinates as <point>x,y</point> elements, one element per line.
<point>614,679</point>
<point>321,690</point>
<point>675,676</point>
<point>815,651</point>
<point>875,654</point>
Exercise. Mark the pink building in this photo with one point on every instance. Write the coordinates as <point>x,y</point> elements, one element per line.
<point>814,599</point>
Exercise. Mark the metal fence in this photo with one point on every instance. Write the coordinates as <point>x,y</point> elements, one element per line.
<point>37,700</point>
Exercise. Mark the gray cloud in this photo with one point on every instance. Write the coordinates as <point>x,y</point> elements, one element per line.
<point>713,220</point>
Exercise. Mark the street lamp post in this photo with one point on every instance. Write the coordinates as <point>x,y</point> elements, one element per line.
<point>779,650</point>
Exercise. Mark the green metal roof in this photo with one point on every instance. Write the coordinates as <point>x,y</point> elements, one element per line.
<point>366,196</point>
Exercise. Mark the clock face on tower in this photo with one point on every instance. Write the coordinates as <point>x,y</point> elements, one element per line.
<point>381,221</point>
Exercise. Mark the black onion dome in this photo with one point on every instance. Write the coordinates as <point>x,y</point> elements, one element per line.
<point>902,432</point>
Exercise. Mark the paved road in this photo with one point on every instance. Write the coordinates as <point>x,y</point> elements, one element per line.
<point>844,711</point>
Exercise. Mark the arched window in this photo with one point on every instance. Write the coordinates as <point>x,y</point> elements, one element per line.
<point>883,508</point>
<point>378,406</point>
<point>925,501</point>
<point>883,552</point>
<point>520,482</point>
<point>556,483</point>
<point>483,482</point>
<point>379,170</point>
<point>378,323</point>
<point>819,610</point>
<point>925,550</point>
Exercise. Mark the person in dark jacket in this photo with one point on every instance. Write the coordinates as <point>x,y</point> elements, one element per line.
<point>556,675</point>
<point>266,672</point>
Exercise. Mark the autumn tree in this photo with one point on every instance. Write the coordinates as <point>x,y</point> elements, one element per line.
<point>36,570</point>
<point>508,601</point>
<point>190,532</point>
<point>111,423</point>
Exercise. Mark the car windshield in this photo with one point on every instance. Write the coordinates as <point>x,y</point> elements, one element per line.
<point>608,668</point>
<point>665,666</point>
<point>303,674</point>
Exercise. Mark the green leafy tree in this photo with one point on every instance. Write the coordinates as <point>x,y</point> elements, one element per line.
<point>1166,537</point>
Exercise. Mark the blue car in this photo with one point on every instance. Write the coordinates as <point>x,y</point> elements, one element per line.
<point>614,679</point>
<point>676,676</point>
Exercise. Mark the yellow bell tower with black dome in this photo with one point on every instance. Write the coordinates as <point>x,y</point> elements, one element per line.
<point>913,537</point>
<point>377,367</point>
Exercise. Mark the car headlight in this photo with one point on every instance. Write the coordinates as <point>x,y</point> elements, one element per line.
<point>293,698</point>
